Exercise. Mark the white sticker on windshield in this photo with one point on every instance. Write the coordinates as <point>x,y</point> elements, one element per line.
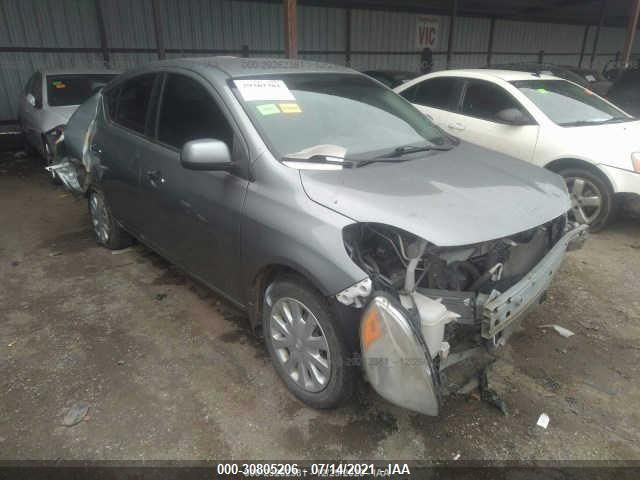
<point>252,90</point>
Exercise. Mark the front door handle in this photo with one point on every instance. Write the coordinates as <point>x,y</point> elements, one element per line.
<point>456,126</point>
<point>155,177</point>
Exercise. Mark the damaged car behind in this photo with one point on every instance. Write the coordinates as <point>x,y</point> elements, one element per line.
<point>356,234</point>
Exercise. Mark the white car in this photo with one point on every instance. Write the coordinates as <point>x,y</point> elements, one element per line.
<point>544,120</point>
<point>49,99</point>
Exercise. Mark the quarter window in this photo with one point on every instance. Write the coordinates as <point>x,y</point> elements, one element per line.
<point>133,101</point>
<point>484,100</point>
<point>188,113</point>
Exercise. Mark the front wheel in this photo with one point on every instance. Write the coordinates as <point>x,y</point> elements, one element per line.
<point>107,230</point>
<point>591,198</point>
<point>305,346</point>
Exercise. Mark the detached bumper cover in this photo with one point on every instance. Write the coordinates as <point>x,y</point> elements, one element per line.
<point>502,311</point>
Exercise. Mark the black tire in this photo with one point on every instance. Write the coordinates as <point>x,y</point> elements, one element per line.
<point>116,238</point>
<point>342,377</point>
<point>595,181</point>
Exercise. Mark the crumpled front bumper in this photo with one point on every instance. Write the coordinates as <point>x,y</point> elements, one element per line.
<point>501,311</point>
<point>395,356</point>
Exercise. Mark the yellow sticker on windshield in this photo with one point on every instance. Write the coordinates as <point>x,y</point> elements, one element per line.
<point>268,109</point>
<point>61,85</point>
<point>290,108</point>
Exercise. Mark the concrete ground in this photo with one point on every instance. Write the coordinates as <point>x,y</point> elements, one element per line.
<point>170,371</point>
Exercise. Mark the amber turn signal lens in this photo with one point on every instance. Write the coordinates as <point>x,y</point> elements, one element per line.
<point>371,330</point>
<point>635,160</point>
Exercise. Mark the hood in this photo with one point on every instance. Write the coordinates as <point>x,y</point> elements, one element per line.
<point>610,144</point>
<point>459,197</point>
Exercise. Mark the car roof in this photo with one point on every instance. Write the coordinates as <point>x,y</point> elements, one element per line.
<point>235,67</point>
<point>80,71</point>
<point>491,74</point>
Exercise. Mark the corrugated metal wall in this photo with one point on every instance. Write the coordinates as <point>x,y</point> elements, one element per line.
<point>65,33</point>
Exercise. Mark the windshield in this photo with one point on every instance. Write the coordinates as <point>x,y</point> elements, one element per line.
<point>568,104</point>
<point>74,89</point>
<point>337,115</point>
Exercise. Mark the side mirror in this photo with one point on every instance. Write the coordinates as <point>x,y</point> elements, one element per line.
<point>206,154</point>
<point>31,100</point>
<point>512,116</point>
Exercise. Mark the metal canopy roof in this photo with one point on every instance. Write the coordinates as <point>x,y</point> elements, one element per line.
<point>583,12</point>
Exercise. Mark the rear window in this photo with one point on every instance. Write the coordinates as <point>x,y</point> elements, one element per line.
<point>74,89</point>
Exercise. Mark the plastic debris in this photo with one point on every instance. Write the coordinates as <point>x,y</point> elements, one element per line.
<point>76,414</point>
<point>55,253</point>
<point>456,456</point>
<point>543,421</point>
<point>565,332</point>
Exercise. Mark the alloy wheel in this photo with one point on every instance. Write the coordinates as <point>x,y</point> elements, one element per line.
<point>300,345</point>
<point>99,218</point>
<point>586,199</point>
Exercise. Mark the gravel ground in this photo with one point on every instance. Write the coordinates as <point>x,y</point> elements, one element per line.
<point>170,371</point>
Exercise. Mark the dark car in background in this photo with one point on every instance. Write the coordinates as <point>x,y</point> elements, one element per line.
<point>391,78</point>
<point>625,92</point>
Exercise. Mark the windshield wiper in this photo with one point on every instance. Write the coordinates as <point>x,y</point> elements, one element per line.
<point>584,123</point>
<point>393,155</point>
<point>320,159</point>
<point>406,149</point>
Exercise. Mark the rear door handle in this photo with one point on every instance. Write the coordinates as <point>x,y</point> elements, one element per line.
<point>95,148</point>
<point>155,177</point>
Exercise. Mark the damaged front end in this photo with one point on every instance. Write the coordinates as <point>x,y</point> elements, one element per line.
<point>73,162</point>
<point>430,308</point>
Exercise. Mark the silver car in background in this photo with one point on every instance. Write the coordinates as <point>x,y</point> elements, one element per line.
<point>353,231</point>
<point>49,99</point>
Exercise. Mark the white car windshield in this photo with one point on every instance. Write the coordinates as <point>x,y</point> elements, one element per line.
<point>570,105</point>
<point>344,116</point>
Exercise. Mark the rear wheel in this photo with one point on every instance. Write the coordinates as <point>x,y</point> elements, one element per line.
<point>305,346</point>
<point>107,230</point>
<point>591,198</point>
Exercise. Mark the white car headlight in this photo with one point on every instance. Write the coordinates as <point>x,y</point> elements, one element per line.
<point>635,161</point>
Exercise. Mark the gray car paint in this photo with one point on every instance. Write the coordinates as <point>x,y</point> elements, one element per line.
<point>449,198</point>
<point>267,218</point>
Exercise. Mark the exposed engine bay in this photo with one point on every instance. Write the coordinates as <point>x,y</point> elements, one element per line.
<point>443,291</point>
<point>385,253</point>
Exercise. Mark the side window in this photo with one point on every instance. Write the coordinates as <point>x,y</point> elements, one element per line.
<point>484,100</point>
<point>188,112</point>
<point>133,101</point>
<point>441,92</point>
<point>110,99</point>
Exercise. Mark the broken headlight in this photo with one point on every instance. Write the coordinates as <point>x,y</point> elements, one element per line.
<point>356,294</point>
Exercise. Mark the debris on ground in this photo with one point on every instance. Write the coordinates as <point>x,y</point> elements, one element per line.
<point>76,414</point>
<point>456,456</point>
<point>15,263</point>
<point>55,253</point>
<point>161,296</point>
<point>20,154</point>
<point>565,332</point>
<point>123,250</point>
<point>543,421</point>
<point>120,362</point>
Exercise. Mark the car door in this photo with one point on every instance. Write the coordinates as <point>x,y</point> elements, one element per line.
<point>118,143</point>
<point>477,122</point>
<point>435,97</point>
<point>194,215</point>
<point>29,113</point>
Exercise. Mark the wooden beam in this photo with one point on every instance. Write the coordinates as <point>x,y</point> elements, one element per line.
<point>290,28</point>
<point>347,40</point>
<point>155,7</point>
<point>631,32</point>
<point>603,14</point>
<point>106,57</point>
<point>452,25</point>
<point>584,45</point>
<point>492,27</point>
